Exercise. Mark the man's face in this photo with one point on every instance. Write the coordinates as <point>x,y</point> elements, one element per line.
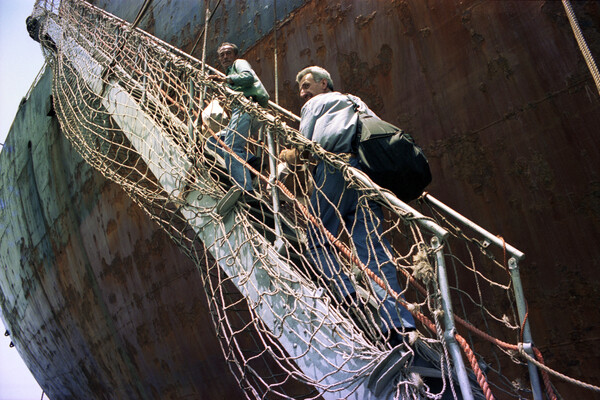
<point>226,56</point>
<point>309,88</point>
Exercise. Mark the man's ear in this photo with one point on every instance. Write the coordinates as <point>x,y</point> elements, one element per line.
<point>323,84</point>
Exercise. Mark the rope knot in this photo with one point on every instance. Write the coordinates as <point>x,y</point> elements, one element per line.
<point>422,269</point>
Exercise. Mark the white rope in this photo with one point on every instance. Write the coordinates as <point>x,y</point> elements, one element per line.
<point>589,59</point>
<point>556,373</point>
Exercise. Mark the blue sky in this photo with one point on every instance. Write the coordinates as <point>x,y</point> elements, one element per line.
<point>20,62</point>
<point>20,59</point>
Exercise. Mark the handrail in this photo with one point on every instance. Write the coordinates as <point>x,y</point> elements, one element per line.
<point>449,326</point>
<point>519,255</point>
<point>422,220</point>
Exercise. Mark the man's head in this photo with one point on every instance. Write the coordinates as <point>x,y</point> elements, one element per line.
<point>228,53</point>
<point>313,81</point>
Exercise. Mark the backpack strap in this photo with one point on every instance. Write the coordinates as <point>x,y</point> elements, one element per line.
<point>357,132</point>
<point>355,105</point>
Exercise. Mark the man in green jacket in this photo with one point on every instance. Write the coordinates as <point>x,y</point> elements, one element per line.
<point>240,77</point>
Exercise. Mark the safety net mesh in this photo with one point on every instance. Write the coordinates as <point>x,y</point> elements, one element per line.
<point>148,118</point>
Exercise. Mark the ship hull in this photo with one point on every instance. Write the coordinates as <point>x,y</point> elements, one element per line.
<point>99,301</point>
<point>496,92</point>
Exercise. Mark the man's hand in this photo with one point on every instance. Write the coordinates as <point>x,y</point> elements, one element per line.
<point>218,78</point>
<point>290,156</point>
<point>293,156</point>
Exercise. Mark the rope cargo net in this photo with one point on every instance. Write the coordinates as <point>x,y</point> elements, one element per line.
<point>145,115</point>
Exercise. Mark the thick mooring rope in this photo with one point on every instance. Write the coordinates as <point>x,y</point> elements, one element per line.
<point>585,50</point>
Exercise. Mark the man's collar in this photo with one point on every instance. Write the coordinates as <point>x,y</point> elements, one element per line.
<point>231,66</point>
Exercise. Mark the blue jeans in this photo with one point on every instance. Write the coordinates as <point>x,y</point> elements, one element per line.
<point>235,137</point>
<point>334,204</point>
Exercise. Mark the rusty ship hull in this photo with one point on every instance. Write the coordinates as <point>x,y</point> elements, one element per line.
<point>101,304</point>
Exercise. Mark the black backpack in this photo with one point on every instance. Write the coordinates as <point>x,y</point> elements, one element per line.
<point>390,157</point>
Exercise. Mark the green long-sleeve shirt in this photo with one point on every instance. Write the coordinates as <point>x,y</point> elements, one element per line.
<point>243,79</point>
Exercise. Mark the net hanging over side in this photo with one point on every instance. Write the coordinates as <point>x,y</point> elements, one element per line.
<point>301,309</point>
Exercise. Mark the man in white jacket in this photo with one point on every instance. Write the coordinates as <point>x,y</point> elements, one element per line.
<point>330,119</point>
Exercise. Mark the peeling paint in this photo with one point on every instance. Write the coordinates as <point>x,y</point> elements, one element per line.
<point>363,21</point>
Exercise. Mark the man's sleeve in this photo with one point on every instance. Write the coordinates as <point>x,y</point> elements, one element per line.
<point>308,119</point>
<point>244,76</point>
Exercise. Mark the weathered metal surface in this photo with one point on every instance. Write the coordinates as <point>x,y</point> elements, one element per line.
<point>181,22</point>
<point>495,91</point>
<point>99,301</point>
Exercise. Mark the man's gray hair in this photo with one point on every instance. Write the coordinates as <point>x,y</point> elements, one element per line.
<point>227,44</point>
<point>318,75</point>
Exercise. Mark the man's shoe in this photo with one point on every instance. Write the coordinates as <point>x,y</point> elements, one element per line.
<point>226,204</point>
